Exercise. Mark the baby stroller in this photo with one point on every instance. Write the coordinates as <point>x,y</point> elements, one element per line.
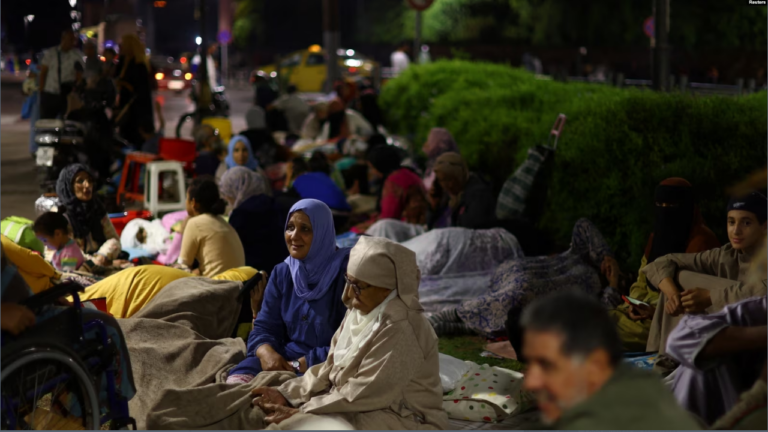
<point>64,372</point>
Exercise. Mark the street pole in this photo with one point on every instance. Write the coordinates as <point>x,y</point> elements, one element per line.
<point>225,25</point>
<point>224,64</point>
<point>331,40</point>
<point>205,89</point>
<point>661,51</point>
<point>417,38</point>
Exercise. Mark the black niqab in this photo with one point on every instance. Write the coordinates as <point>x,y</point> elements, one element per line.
<point>674,221</point>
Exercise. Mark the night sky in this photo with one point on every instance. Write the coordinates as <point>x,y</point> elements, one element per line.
<point>291,24</point>
<point>51,17</point>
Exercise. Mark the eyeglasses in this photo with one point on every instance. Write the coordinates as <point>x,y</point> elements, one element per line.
<point>355,287</point>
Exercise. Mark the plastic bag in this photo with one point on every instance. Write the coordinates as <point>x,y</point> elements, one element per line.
<point>451,371</point>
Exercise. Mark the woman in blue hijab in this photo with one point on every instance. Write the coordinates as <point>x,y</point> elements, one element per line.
<point>241,153</point>
<point>302,306</point>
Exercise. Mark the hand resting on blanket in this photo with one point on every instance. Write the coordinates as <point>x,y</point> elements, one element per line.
<point>273,403</point>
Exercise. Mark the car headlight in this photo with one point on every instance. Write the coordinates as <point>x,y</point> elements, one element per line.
<point>46,139</point>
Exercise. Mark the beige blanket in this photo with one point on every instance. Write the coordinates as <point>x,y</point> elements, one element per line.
<point>179,343</point>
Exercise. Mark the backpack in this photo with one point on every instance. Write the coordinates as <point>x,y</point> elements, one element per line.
<point>19,230</point>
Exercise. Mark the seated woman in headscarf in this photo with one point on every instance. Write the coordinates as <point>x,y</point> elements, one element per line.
<point>255,218</point>
<point>402,197</point>
<point>302,305</point>
<point>678,228</point>
<point>467,201</point>
<point>240,153</point>
<point>439,141</point>
<point>207,238</point>
<point>382,370</point>
<point>91,227</point>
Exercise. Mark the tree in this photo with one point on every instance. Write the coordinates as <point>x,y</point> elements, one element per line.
<point>694,23</point>
<point>249,22</point>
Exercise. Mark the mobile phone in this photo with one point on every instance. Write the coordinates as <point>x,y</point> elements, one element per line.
<point>633,302</point>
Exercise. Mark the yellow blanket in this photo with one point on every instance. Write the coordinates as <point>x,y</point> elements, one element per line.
<point>130,290</point>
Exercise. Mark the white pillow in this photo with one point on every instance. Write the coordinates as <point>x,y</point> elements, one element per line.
<point>451,371</point>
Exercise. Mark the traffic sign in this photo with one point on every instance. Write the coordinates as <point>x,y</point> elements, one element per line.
<point>224,37</point>
<point>420,5</point>
<point>648,27</point>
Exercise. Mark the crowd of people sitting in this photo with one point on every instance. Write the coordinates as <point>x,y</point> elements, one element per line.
<point>341,248</point>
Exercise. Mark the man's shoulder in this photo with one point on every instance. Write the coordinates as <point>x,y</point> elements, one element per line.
<point>626,400</point>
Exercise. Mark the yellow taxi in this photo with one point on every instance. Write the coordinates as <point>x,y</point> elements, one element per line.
<point>306,69</point>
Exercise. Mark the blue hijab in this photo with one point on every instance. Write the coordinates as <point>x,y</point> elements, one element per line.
<point>251,163</point>
<point>314,275</point>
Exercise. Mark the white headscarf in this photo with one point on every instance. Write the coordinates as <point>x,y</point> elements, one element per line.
<point>356,331</point>
<point>381,263</point>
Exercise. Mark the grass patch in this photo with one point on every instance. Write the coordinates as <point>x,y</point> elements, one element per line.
<point>468,348</point>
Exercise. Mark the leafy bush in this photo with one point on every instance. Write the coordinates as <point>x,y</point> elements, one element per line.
<point>617,145</point>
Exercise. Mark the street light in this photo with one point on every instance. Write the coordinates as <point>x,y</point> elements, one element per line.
<point>29,18</point>
<point>73,3</point>
<point>198,40</point>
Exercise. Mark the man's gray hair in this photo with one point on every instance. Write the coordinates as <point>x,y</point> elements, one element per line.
<point>582,321</point>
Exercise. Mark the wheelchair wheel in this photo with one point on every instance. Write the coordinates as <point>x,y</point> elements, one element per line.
<point>47,387</point>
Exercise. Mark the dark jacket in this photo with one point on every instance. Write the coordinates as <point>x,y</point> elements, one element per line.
<point>257,222</point>
<point>477,209</point>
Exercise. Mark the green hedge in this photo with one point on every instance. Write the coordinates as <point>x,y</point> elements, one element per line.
<point>616,146</point>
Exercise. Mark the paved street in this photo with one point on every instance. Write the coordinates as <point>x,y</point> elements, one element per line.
<point>18,190</point>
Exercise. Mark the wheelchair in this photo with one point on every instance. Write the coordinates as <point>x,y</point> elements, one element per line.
<point>61,373</point>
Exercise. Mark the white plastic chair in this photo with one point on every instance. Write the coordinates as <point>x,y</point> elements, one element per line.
<point>174,186</point>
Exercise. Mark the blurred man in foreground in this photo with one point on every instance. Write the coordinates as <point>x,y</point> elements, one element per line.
<point>576,372</point>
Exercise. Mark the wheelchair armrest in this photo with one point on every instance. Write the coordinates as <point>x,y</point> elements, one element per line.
<point>249,285</point>
<point>51,295</point>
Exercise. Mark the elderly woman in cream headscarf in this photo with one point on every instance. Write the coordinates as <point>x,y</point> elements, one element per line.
<point>382,370</point>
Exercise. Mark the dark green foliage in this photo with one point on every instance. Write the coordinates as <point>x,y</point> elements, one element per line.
<point>617,145</point>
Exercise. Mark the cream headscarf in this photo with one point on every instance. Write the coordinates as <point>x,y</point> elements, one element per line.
<point>381,263</point>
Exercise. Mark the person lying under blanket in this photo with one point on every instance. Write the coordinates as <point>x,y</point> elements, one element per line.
<point>130,290</point>
<point>382,370</point>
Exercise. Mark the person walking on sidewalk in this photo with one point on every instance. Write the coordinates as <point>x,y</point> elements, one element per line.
<point>61,68</point>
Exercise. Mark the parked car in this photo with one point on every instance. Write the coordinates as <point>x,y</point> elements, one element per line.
<point>307,69</point>
<point>170,75</point>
